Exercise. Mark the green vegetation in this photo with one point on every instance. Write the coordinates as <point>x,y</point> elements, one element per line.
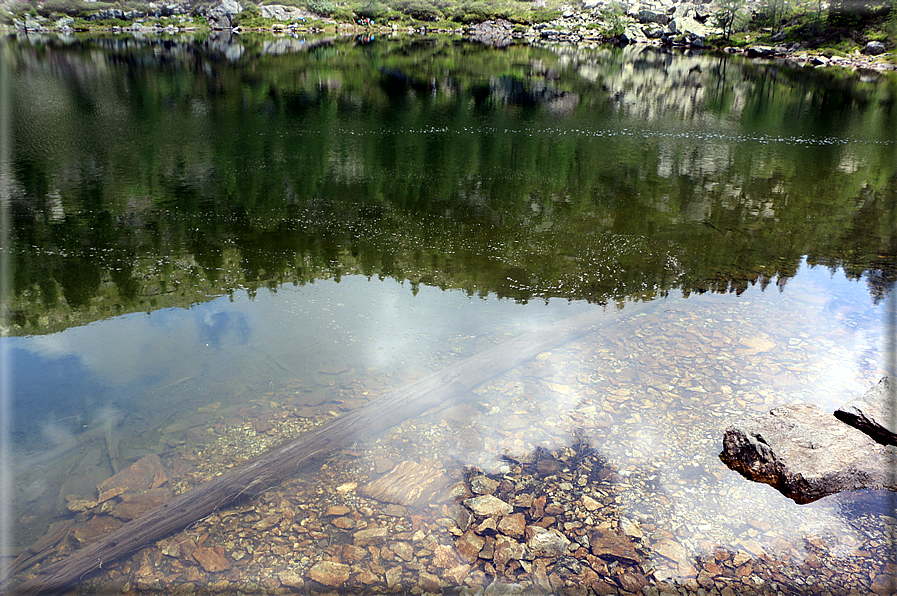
<point>448,13</point>
<point>840,25</point>
<point>436,163</point>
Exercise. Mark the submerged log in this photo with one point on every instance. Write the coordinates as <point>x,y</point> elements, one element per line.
<point>281,462</point>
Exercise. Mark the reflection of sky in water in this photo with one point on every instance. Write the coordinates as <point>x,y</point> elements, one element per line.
<point>132,363</point>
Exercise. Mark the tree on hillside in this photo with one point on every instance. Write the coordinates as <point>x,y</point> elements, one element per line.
<point>730,17</point>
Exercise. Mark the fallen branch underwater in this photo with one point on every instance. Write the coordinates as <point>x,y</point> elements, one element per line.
<point>265,470</point>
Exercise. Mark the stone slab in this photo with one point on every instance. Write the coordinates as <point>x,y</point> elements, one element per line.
<point>808,454</point>
<point>874,412</point>
<point>409,484</point>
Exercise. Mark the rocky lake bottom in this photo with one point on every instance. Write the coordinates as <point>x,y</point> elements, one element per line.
<point>592,469</point>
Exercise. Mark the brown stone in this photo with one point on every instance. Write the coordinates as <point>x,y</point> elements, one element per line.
<point>705,579</point>
<point>353,554</point>
<point>409,484</point>
<point>488,525</point>
<point>483,485</point>
<point>366,577</point>
<point>344,523</point>
<point>488,506</point>
<point>370,536</point>
<point>554,509</point>
<point>393,577</point>
<point>329,573</point>
<point>428,582</point>
<point>537,511</point>
<point>506,550</point>
<point>95,528</point>
<point>383,465</point>
<point>545,543</point>
<point>133,506</point>
<point>178,547</point>
<point>590,504</point>
<point>336,510</point>
<point>513,525</point>
<point>632,582</point>
<point>457,574</point>
<point>291,579</point>
<point>488,548</point>
<point>671,549</point>
<point>614,547</point>
<point>136,478</point>
<point>462,516</point>
<point>444,556</point>
<point>469,546</point>
<point>884,585</point>
<point>212,559</point>
<point>403,550</point>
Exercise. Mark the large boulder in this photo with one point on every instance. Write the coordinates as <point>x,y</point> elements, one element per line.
<point>652,16</point>
<point>221,15</point>
<point>874,48</point>
<point>283,13</point>
<point>807,454</point>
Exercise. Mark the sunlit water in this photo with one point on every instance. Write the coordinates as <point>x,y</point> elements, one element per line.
<point>653,394</point>
<point>288,238</point>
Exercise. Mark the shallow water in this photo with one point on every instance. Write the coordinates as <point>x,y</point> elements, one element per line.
<point>267,241</point>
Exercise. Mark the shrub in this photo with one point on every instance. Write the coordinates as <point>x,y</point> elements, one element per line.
<point>324,7</point>
<point>422,10</point>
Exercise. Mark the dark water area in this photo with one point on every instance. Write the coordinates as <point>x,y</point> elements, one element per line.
<point>217,243</point>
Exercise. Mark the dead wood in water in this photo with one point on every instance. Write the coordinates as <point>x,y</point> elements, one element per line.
<point>262,472</point>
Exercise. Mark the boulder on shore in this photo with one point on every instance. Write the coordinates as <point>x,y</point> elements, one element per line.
<point>221,15</point>
<point>808,454</point>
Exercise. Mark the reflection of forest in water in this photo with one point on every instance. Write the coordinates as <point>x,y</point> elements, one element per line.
<point>153,173</point>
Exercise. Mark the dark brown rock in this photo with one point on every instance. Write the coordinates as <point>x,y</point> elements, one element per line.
<point>145,473</point>
<point>874,412</point>
<point>513,525</point>
<point>613,547</point>
<point>807,454</point>
<point>428,582</point>
<point>212,559</point>
<point>133,506</point>
<point>632,582</point>
<point>329,573</point>
<point>370,536</point>
<point>506,550</point>
<point>94,528</point>
<point>469,546</point>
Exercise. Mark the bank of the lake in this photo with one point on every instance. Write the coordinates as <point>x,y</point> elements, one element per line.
<point>862,41</point>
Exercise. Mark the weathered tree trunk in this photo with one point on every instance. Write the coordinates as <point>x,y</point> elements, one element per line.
<point>285,460</point>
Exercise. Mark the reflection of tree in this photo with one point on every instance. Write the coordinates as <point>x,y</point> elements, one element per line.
<point>461,178</point>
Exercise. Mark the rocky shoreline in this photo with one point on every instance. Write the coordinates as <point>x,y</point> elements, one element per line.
<point>650,22</point>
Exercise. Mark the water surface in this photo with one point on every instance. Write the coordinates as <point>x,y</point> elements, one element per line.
<point>218,243</point>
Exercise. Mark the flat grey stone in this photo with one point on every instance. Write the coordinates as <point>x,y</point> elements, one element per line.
<point>808,454</point>
<point>874,412</point>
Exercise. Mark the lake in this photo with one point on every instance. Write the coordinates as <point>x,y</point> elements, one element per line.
<point>217,243</point>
